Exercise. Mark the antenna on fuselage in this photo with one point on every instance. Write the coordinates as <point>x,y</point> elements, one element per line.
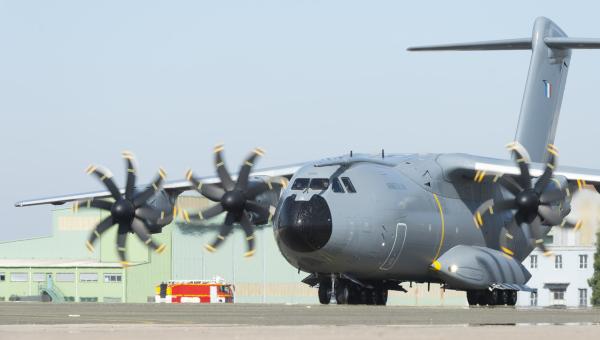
<point>350,153</point>
<point>382,153</point>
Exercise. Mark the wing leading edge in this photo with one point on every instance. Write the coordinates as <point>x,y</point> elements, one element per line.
<point>172,186</point>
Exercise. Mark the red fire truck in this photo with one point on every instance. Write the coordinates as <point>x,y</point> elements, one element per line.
<point>203,291</point>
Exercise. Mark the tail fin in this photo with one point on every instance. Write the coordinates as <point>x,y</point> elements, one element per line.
<point>550,57</point>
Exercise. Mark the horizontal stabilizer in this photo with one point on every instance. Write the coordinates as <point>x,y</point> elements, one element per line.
<point>508,44</point>
<point>573,43</point>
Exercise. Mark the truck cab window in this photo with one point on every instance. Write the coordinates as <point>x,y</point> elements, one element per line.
<point>348,184</point>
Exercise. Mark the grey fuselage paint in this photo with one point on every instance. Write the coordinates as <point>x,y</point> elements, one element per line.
<point>402,218</point>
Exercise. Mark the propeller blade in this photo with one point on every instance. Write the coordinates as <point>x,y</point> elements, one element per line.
<point>522,158</point>
<point>249,231</point>
<point>210,191</point>
<point>507,235</point>
<point>105,177</point>
<point>141,198</point>
<point>131,176</point>
<point>262,211</point>
<point>544,180</point>
<point>509,183</point>
<point>139,228</point>
<point>551,216</point>
<point>242,180</point>
<point>538,237</point>
<point>100,228</point>
<point>122,244</point>
<point>257,188</point>
<point>222,172</point>
<point>489,206</point>
<point>93,203</point>
<point>208,213</point>
<point>224,231</point>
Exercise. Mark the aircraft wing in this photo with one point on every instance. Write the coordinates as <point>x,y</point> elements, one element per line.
<point>171,186</point>
<point>474,168</point>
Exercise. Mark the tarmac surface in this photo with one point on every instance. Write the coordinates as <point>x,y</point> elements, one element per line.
<point>254,321</point>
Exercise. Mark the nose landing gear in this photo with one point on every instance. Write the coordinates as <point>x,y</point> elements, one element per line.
<point>346,292</point>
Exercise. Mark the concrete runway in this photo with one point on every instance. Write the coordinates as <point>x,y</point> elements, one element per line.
<point>147,321</point>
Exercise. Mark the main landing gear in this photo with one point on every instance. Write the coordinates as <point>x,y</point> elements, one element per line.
<point>494,297</point>
<point>346,292</point>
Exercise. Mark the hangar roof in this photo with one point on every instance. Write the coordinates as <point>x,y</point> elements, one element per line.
<point>57,263</point>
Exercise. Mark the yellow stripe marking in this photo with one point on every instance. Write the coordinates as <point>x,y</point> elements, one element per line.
<point>249,253</point>
<point>436,265</point>
<point>476,175</point>
<point>90,169</point>
<point>148,241</point>
<point>188,174</point>
<point>89,246</point>
<point>161,248</point>
<point>186,216</point>
<point>210,248</point>
<point>200,215</point>
<point>507,251</point>
<point>219,148</point>
<point>437,200</point>
<point>509,236</point>
<point>548,253</point>
<point>96,233</point>
<point>162,173</point>
<point>124,263</point>
<point>552,151</point>
<point>479,219</point>
<point>259,151</point>
<point>249,238</point>
<point>578,224</point>
<point>221,237</point>
<point>248,163</point>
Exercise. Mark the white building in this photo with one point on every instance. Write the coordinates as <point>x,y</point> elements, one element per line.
<point>561,279</point>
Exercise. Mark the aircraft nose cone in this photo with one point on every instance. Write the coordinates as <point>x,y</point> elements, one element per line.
<point>304,226</point>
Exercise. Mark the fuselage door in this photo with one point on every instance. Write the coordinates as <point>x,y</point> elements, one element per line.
<point>397,246</point>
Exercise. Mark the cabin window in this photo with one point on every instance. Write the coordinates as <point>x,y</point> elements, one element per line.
<point>348,184</point>
<point>319,183</point>
<point>336,186</point>
<point>112,278</point>
<point>300,184</point>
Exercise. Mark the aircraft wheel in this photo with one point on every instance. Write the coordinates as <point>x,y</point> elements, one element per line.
<point>492,298</point>
<point>512,298</point>
<point>324,292</point>
<point>473,297</point>
<point>382,296</point>
<point>342,293</point>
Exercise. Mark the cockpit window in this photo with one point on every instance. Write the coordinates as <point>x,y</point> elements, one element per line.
<point>300,184</point>
<point>348,184</point>
<point>319,183</point>
<point>336,186</point>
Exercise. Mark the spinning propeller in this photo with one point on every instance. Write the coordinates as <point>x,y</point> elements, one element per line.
<point>533,205</point>
<point>236,198</point>
<point>129,210</point>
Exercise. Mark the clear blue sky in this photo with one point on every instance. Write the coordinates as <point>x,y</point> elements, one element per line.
<point>80,81</point>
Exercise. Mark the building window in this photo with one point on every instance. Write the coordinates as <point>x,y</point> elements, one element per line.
<point>2,277</point>
<point>549,239</point>
<point>19,277</point>
<point>108,299</point>
<point>583,301</point>
<point>38,277</point>
<point>583,261</point>
<point>69,299</point>
<point>558,262</point>
<point>533,263</point>
<point>112,278</point>
<point>557,296</point>
<point>65,277</point>
<point>88,277</point>
<point>88,299</point>
<point>533,299</point>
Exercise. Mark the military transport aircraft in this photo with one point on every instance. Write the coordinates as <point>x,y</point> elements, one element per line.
<point>361,225</point>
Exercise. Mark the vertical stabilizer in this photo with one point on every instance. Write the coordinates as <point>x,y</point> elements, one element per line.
<point>550,58</point>
<point>543,90</point>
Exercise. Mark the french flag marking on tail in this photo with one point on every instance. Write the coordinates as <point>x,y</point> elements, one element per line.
<point>547,89</point>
